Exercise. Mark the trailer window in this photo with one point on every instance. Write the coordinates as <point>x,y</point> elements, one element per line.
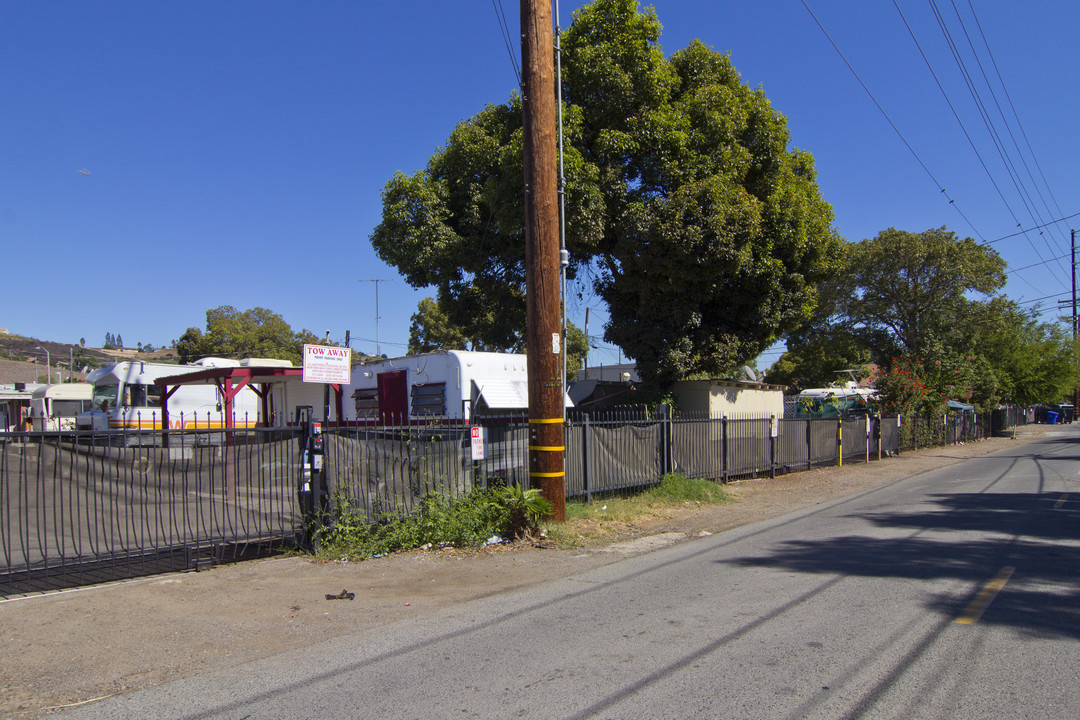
<point>104,396</point>
<point>429,399</point>
<point>142,396</point>
<point>366,401</point>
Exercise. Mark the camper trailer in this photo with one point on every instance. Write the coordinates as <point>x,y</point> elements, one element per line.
<point>126,398</point>
<point>454,385</point>
<point>55,407</point>
<point>846,400</point>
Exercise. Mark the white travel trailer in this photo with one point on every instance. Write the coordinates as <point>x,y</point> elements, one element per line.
<point>55,407</point>
<point>845,399</point>
<point>126,398</point>
<point>455,384</point>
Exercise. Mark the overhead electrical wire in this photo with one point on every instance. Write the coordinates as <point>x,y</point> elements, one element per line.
<point>1001,112</point>
<point>999,145</point>
<point>1012,106</point>
<point>963,127</point>
<point>504,28</point>
<point>984,114</point>
<point>892,124</point>
<point>1006,237</point>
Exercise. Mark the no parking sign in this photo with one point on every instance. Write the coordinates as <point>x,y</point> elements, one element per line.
<point>476,434</point>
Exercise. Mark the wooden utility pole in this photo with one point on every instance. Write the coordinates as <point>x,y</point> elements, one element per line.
<point>543,333</point>
<point>1076,391</point>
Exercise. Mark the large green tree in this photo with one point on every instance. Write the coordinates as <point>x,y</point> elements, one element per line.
<point>915,289</point>
<point>704,233</point>
<point>923,306</point>
<point>257,332</point>
<point>1030,361</point>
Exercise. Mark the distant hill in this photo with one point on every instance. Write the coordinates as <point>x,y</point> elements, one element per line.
<point>17,355</point>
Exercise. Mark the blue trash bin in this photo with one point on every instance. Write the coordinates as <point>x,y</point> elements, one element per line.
<point>1051,418</point>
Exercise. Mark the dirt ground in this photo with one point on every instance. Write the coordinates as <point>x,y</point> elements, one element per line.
<point>73,647</point>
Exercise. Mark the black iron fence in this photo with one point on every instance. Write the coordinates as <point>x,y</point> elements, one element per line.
<point>79,508</point>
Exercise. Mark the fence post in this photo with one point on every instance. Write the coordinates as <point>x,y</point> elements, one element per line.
<point>773,422</point>
<point>809,444</point>
<point>869,423</point>
<point>839,442</point>
<point>877,433</point>
<point>723,446</point>
<point>585,457</point>
<point>665,439</point>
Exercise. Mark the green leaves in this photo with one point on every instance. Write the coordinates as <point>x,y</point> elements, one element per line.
<point>706,234</point>
<point>257,332</point>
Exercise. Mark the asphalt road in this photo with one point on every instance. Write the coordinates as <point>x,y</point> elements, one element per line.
<point>952,594</point>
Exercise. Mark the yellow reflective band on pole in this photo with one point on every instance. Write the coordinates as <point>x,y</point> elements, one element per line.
<point>545,421</point>
<point>548,448</point>
<point>551,474</point>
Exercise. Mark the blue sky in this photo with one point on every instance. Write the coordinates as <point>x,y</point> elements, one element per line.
<point>159,159</point>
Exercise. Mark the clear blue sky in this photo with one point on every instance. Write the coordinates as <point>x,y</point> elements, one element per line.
<point>161,158</point>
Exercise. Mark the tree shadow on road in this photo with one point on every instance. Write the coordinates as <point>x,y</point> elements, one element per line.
<point>1033,533</point>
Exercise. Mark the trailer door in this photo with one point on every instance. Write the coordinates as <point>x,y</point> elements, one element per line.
<point>393,397</point>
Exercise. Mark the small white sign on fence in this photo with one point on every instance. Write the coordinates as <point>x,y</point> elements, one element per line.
<point>476,434</point>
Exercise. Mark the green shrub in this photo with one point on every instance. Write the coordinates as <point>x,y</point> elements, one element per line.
<point>463,521</point>
<point>677,488</point>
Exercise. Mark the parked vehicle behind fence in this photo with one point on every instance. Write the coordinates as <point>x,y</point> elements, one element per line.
<point>126,398</point>
<point>55,407</point>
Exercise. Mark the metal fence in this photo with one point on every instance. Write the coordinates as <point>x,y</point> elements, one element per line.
<point>79,508</point>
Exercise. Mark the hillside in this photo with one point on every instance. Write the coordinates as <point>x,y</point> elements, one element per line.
<point>17,355</point>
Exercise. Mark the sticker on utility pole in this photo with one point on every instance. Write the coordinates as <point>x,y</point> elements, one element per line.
<point>556,340</point>
<point>774,426</point>
<point>477,436</point>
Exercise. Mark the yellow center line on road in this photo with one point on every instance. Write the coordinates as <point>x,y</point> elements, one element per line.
<point>1061,500</point>
<point>975,609</point>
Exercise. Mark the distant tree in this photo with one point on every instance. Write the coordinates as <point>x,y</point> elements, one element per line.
<point>431,329</point>
<point>119,341</point>
<point>82,342</point>
<point>577,346</point>
<point>257,332</point>
<point>915,289</point>
<point>109,344</point>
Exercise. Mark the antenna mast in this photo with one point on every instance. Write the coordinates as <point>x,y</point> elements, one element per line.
<point>378,349</point>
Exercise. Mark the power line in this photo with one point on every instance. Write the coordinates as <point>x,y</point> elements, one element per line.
<point>995,137</point>
<point>956,115</point>
<point>504,28</point>
<point>1012,106</point>
<point>888,119</point>
<point>1051,222</point>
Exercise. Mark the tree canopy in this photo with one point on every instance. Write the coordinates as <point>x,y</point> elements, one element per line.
<point>257,332</point>
<point>922,306</point>
<point>703,232</point>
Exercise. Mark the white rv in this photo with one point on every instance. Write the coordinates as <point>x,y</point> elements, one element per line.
<point>126,398</point>
<point>455,384</point>
<point>55,407</point>
<point>846,400</point>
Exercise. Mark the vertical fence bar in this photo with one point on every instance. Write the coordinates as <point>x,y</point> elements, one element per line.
<point>839,442</point>
<point>585,462</point>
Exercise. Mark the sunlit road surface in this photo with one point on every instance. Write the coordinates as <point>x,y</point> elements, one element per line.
<point>953,594</point>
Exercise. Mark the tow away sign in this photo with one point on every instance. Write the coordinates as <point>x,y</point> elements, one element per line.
<point>323,364</point>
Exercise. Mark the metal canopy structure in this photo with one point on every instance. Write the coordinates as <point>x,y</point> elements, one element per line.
<point>231,380</point>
